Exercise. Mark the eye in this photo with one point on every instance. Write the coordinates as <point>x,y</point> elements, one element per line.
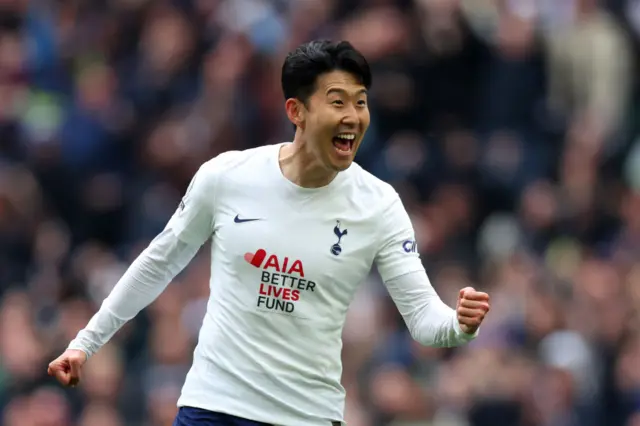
<point>362,103</point>
<point>337,102</point>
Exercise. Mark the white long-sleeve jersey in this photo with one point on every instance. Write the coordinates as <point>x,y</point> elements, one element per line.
<point>285,264</point>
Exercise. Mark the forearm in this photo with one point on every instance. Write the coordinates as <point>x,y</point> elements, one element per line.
<point>429,320</point>
<point>144,281</point>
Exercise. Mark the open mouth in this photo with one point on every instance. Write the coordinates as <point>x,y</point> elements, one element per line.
<point>343,142</point>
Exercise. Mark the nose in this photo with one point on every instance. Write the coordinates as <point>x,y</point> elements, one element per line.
<point>350,116</point>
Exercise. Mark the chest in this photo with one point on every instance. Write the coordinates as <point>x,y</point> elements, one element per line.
<point>310,252</point>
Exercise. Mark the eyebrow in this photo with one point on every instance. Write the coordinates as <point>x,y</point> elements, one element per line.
<point>344,92</point>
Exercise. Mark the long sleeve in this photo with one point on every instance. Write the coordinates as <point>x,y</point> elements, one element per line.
<point>429,320</point>
<point>152,271</point>
<point>141,284</point>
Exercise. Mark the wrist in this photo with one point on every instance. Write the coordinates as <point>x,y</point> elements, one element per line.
<point>465,331</point>
<point>73,346</point>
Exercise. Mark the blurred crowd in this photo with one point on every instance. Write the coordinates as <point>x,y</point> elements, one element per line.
<point>509,127</point>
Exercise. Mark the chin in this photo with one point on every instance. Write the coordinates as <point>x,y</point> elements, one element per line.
<point>339,163</point>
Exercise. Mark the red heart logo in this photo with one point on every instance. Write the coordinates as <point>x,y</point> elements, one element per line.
<point>255,259</point>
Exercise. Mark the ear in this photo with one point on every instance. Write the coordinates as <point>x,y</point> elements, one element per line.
<point>295,111</point>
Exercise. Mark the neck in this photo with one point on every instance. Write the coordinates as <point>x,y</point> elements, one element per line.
<point>301,166</point>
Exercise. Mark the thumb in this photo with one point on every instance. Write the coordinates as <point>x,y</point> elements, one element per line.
<point>464,291</point>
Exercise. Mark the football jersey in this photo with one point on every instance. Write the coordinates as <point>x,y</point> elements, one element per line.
<point>286,262</point>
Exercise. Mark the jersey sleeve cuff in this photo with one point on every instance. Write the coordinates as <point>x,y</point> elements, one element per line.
<point>74,345</point>
<point>466,337</point>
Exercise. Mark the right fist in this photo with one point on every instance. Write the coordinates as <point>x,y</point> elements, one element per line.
<point>66,368</point>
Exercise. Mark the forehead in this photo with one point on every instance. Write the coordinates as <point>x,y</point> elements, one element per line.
<point>338,80</point>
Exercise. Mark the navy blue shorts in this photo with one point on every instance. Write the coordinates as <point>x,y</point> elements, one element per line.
<point>189,416</point>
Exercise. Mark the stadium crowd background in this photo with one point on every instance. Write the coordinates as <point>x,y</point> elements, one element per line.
<point>508,127</point>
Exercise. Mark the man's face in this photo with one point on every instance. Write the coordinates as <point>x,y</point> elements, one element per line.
<point>336,119</point>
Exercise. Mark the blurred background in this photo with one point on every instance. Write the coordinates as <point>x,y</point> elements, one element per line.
<point>511,129</point>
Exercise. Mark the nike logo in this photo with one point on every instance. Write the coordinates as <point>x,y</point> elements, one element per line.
<point>238,220</point>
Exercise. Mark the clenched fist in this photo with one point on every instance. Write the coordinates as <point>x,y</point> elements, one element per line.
<point>66,368</point>
<point>471,309</point>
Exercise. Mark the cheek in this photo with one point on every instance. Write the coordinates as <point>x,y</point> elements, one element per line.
<point>365,118</point>
<point>325,124</point>
<point>318,121</point>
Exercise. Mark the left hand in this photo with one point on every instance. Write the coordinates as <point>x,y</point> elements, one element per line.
<point>471,309</point>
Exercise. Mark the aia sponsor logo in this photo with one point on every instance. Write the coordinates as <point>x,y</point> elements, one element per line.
<point>282,281</point>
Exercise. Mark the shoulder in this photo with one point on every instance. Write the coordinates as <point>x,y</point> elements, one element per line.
<point>380,199</point>
<point>369,187</point>
<point>207,180</point>
<point>232,162</point>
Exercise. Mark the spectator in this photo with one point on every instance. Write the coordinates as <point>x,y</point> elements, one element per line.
<point>509,128</point>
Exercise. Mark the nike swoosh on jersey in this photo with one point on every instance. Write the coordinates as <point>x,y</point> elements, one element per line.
<point>238,220</point>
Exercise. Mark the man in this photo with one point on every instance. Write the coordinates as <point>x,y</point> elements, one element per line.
<point>295,227</point>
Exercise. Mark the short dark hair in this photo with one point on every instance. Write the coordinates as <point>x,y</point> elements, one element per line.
<point>304,65</point>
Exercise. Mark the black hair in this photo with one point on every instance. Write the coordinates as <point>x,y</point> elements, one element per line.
<point>304,65</point>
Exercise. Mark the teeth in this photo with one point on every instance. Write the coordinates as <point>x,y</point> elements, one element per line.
<point>346,136</point>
